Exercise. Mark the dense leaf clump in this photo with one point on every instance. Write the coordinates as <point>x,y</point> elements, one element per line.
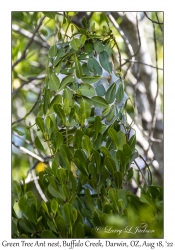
<point>91,146</point>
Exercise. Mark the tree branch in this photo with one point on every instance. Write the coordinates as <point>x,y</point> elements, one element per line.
<point>29,43</point>
<point>151,19</point>
<point>28,35</point>
<point>29,111</point>
<point>154,67</point>
<point>39,77</point>
<point>159,22</point>
<point>153,122</point>
<point>28,152</point>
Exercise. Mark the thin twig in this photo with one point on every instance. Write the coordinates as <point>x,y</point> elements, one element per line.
<point>20,137</point>
<point>154,67</point>
<point>29,43</point>
<point>121,33</point>
<point>28,152</point>
<point>28,35</point>
<point>153,122</point>
<point>29,111</point>
<point>151,19</point>
<point>40,191</point>
<point>137,51</point>
<point>120,60</point>
<point>158,21</point>
<point>141,173</point>
<point>29,80</point>
<point>147,167</point>
<point>37,185</point>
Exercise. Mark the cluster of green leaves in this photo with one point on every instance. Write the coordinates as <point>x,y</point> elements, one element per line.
<point>80,118</point>
<point>71,215</point>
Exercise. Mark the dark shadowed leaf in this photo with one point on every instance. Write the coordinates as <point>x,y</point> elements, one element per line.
<point>104,61</point>
<point>120,93</point>
<point>38,144</point>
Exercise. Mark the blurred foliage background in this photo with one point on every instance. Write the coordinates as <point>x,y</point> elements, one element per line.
<point>140,40</point>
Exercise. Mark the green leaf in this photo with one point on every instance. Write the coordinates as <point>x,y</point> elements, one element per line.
<point>97,125</point>
<point>75,44</point>
<point>104,61</point>
<point>106,111</point>
<point>65,81</point>
<point>67,108</point>
<point>56,99</point>
<point>132,143</point>
<point>48,234</point>
<point>78,68</point>
<point>31,213</point>
<point>46,101</point>
<point>94,66</point>
<point>119,138</point>
<point>16,188</point>
<point>25,226</point>
<point>59,140</point>
<point>86,144</point>
<point>61,226</point>
<point>53,51</point>
<point>38,144</point>
<point>78,138</point>
<point>127,152</point>
<point>69,214</point>
<point>110,94</point>
<point>49,14</point>
<point>121,161</point>
<point>110,116</point>
<point>39,121</point>
<point>99,102</point>
<point>108,49</point>
<point>58,56</point>
<point>90,79</point>
<point>78,230</point>
<point>100,90</point>
<point>118,177</point>
<point>18,132</point>
<point>85,69</point>
<point>105,18</point>
<point>51,226</point>
<point>130,174</point>
<point>113,197</point>
<point>104,151</point>
<point>58,109</point>
<point>54,206</point>
<point>88,47</point>
<point>44,205</point>
<point>82,39</point>
<point>84,22</point>
<point>87,90</point>
<point>54,192</point>
<point>98,46</point>
<point>57,67</point>
<point>85,111</point>
<point>110,164</point>
<point>80,161</point>
<point>120,93</point>
<point>22,203</point>
<point>54,82</point>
